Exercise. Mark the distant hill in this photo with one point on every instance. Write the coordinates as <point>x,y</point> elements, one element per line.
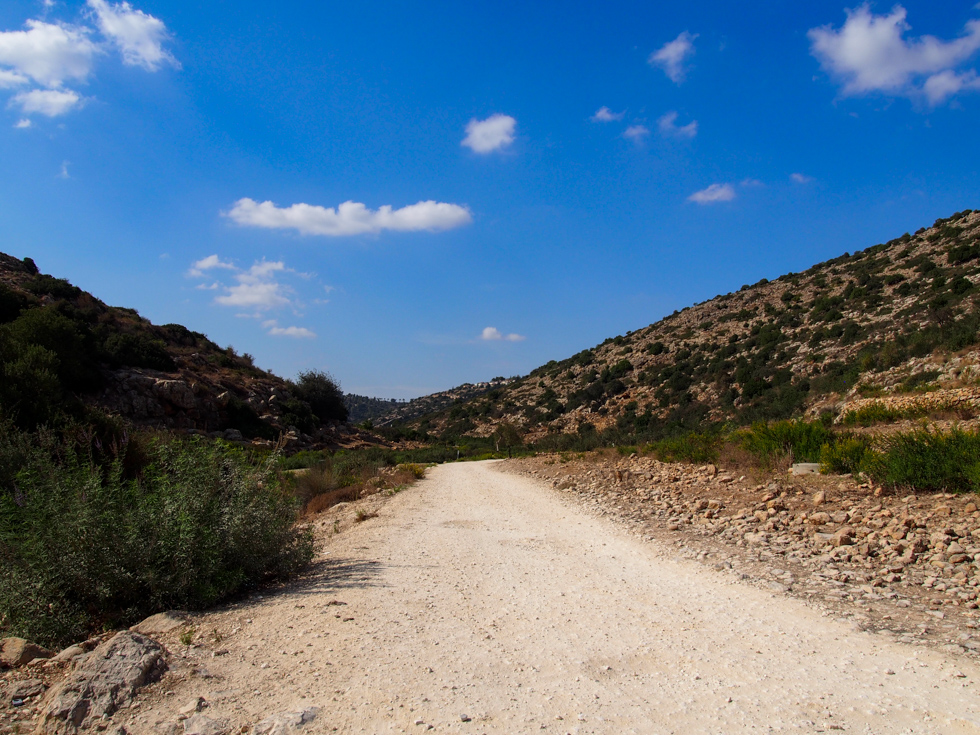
<point>408,411</point>
<point>802,343</point>
<point>363,408</point>
<point>63,351</point>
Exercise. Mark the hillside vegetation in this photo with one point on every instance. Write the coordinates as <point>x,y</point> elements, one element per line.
<point>65,353</point>
<point>884,320</point>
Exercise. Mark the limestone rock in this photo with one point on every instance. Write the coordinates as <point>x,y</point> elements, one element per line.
<point>202,725</point>
<point>286,722</point>
<point>25,689</point>
<point>16,652</point>
<point>107,679</point>
<point>161,623</point>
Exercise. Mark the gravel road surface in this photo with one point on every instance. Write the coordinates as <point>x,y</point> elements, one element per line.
<point>483,602</point>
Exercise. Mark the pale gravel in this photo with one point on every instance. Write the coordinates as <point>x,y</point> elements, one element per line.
<point>487,594</point>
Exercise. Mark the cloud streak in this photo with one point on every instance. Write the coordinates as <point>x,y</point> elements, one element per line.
<point>138,36</point>
<point>604,114</point>
<point>492,334</point>
<point>667,125</point>
<point>713,194</point>
<point>350,218</point>
<point>272,328</point>
<point>47,102</point>
<point>636,133</point>
<point>671,57</point>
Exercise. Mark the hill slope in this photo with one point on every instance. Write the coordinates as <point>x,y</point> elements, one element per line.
<point>62,349</point>
<point>771,350</point>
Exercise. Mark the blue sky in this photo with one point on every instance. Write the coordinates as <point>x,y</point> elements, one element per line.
<point>415,197</point>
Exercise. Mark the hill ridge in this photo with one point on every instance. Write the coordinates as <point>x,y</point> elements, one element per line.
<point>767,351</point>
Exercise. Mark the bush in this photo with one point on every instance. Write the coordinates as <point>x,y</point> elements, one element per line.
<point>928,461</point>
<point>694,448</point>
<point>845,454</point>
<point>85,545</point>
<point>323,394</point>
<point>800,441</point>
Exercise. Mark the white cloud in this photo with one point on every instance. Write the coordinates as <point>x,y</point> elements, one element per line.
<point>714,193</point>
<point>261,295</point>
<point>486,136</point>
<point>205,264</point>
<point>939,87</point>
<point>604,114</point>
<point>63,173</point>
<point>750,183</point>
<point>671,56</point>
<point>257,288</point>
<point>350,218</point>
<point>871,54</point>
<point>492,334</point>
<point>23,123</point>
<point>800,178</point>
<point>48,53</point>
<point>298,332</point>
<point>10,79</point>
<point>668,127</point>
<point>636,133</point>
<point>139,37</point>
<point>48,102</point>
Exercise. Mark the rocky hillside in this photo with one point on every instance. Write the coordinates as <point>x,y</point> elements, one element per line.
<point>876,322</point>
<point>62,349</point>
<point>402,412</point>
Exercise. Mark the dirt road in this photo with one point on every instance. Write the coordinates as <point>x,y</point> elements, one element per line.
<point>482,602</point>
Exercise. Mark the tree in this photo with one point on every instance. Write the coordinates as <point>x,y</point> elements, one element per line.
<point>506,434</point>
<point>323,393</point>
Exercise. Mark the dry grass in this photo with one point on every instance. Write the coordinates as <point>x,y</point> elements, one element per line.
<point>320,488</point>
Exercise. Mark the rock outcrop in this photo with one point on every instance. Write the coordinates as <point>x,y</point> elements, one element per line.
<point>107,679</point>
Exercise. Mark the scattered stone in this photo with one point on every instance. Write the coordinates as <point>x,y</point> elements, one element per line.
<point>67,654</point>
<point>105,681</point>
<point>288,722</point>
<point>805,468</point>
<point>195,705</point>
<point>15,652</point>
<point>464,718</point>
<point>819,498</point>
<point>201,725</point>
<point>161,623</point>
<point>25,689</point>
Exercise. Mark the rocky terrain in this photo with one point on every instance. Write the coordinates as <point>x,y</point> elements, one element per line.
<point>806,342</point>
<point>905,563</point>
<point>407,411</point>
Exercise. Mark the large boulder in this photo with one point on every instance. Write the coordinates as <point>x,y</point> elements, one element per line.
<point>16,652</point>
<point>108,678</point>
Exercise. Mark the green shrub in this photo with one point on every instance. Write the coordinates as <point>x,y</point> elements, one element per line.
<point>801,441</point>
<point>928,461</point>
<point>323,394</point>
<point>843,455</point>
<point>137,350</point>
<point>87,545</point>
<point>695,448</point>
